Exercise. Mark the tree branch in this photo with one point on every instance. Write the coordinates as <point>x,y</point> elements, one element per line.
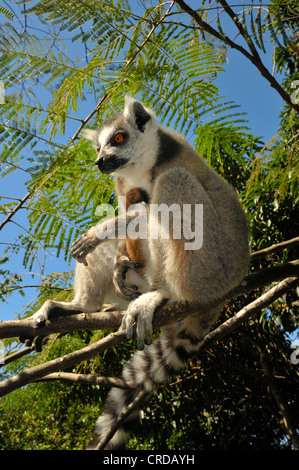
<point>89,379</point>
<point>245,313</point>
<point>167,314</point>
<point>13,211</point>
<point>253,56</point>
<point>16,355</point>
<point>31,374</point>
<point>240,28</point>
<point>277,247</point>
<point>274,389</point>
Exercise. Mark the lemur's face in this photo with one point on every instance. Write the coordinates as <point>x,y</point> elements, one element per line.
<point>116,145</point>
<point>114,148</point>
<point>126,143</point>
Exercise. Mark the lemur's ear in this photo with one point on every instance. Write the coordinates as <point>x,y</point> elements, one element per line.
<point>137,113</point>
<point>90,134</point>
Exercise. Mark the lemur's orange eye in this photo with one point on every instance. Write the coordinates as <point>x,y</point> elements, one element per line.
<point>119,138</point>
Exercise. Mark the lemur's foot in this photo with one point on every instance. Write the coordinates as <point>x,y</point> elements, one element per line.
<point>40,318</point>
<point>141,312</point>
<point>123,288</point>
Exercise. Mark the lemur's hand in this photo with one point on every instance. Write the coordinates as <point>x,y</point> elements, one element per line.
<point>84,245</point>
<point>141,312</point>
<point>123,288</point>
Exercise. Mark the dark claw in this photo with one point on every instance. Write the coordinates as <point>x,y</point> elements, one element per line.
<point>40,321</point>
<point>38,343</point>
<point>127,291</point>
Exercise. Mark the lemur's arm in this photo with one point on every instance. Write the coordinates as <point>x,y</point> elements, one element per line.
<point>128,255</point>
<point>111,229</point>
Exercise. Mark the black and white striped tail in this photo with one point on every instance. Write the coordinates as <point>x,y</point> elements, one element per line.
<point>156,364</point>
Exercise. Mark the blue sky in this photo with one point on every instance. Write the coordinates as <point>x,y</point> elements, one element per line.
<point>241,83</point>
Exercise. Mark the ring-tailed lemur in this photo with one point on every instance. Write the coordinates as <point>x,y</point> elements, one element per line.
<point>141,154</point>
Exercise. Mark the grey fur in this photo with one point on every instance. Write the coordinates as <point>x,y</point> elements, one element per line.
<point>163,164</point>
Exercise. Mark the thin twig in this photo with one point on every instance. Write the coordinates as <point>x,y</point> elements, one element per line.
<point>253,57</point>
<point>13,211</point>
<point>35,190</point>
<point>149,35</point>
<point>277,247</point>
<point>275,390</point>
<point>89,379</point>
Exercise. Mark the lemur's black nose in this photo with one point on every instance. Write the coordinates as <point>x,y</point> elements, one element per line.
<point>109,163</point>
<point>99,161</point>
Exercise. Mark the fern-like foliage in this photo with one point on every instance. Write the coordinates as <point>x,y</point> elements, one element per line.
<point>83,58</point>
<point>256,19</point>
<point>8,14</point>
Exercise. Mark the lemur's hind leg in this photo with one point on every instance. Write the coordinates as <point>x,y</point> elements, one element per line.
<point>93,283</point>
<point>52,309</point>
